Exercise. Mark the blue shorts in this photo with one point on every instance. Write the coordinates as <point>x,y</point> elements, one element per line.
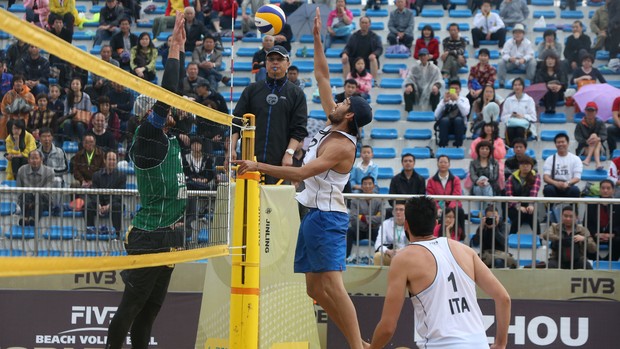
<point>322,242</point>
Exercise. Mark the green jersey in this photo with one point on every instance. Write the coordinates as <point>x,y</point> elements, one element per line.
<point>162,191</point>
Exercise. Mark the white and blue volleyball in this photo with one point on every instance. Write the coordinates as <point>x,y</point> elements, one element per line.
<point>269,19</point>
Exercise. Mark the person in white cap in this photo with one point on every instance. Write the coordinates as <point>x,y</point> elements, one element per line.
<point>518,53</point>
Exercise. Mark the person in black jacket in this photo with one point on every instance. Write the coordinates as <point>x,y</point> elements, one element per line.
<point>363,43</point>
<point>577,45</point>
<point>281,113</point>
<point>552,74</point>
<point>613,29</point>
<point>408,181</point>
<point>196,29</point>
<point>603,222</point>
<point>107,206</point>
<point>58,28</point>
<point>36,70</point>
<point>120,51</point>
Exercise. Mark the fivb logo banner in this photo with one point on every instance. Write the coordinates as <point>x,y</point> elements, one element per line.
<point>533,324</point>
<point>80,319</point>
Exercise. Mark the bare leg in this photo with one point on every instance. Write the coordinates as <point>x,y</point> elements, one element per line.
<point>589,151</point>
<point>328,290</point>
<point>597,154</point>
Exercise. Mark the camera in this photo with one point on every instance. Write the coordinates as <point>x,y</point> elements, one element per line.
<point>489,220</point>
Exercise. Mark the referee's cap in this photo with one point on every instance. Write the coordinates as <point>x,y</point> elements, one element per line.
<point>361,110</point>
<point>279,50</point>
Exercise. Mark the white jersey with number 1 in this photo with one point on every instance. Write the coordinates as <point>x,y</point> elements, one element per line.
<point>447,314</point>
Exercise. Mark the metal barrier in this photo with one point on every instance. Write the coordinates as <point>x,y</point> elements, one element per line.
<point>535,245</point>
<point>92,222</point>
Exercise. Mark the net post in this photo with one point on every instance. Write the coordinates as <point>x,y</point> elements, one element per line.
<point>245,271</point>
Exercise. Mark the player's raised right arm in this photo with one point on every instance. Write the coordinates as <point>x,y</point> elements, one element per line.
<point>321,70</point>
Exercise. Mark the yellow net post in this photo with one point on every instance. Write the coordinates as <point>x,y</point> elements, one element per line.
<point>245,274</point>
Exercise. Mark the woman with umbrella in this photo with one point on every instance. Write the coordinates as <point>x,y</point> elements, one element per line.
<point>556,80</point>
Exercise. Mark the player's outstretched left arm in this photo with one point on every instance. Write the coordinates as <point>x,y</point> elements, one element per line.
<point>394,298</point>
<point>321,69</point>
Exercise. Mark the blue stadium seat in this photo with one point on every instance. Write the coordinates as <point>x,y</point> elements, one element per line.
<point>160,10</point>
<point>606,265</point>
<point>389,115</point>
<point>397,55</point>
<point>163,36</point>
<point>547,153</point>
<point>593,175</point>
<point>459,13</point>
<point>432,12</point>
<point>18,232</point>
<point>424,172</point>
<point>336,82</point>
<point>246,51</point>
<point>17,8</point>
<point>602,55</point>
<point>452,153</point>
<point>542,2</point>
<point>227,52</point>
<point>131,186</point>
<point>80,8</point>
<point>377,26</point>
<point>548,14</point>
<point>385,173</point>
<point>489,42</point>
<point>9,253</point>
<point>4,36</point>
<point>389,99</point>
<point>384,190</point>
<point>335,67</point>
<point>2,145</point>
<point>159,65</point>
<point>147,24</point>
<point>377,13</point>
<point>243,66</point>
<point>418,134</point>
<point>307,39</point>
<point>615,154</point>
<point>394,68</point>
<point>548,135</point>
<point>494,54</point>
<point>82,35</point>
<point>303,66</point>
<point>384,153</point>
<point>418,152</point>
<point>458,2</point>
<point>356,13</point>
<point>304,52</point>
<point>459,172</point>
<point>529,152</point>
<point>384,133</point>
<point>318,114</point>
<point>557,118</point>
<point>354,2</point>
<point>72,214</point>
<point>235,96</point>
<point>7,208</point>
<point>56,232</point>
<point>9,183</point>
<point>571,14</point>
<point>435,25</point>
<point>523,241</point>
<point>70,147</point>
<point>3,164</point>
<point>95,50</point>
<point>49,253</point>
<point>391,83</point>
<point>421,116</point>
<point>333,52</point>
<point>240,82</point>
<point>203,236</point>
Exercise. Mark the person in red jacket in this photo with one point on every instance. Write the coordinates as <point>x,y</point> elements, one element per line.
<point>227,11</point>
<point>429,42</point>
<point>445,183</point>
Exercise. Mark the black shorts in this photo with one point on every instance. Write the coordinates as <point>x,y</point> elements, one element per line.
<point>150,283</point>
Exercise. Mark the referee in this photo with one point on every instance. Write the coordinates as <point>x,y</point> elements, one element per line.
<point>161,185</point>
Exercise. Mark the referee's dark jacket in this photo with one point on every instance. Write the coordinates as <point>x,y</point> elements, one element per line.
<point>277,123</point>
<point>401,185</point>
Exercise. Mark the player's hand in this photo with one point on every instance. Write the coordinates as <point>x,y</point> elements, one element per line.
<point>317,24</point>
<point>244,166</point>
<point>178,33</point>
<point>233,157</point>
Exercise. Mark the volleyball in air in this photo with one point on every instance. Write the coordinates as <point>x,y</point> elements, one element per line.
<point>269,19</point>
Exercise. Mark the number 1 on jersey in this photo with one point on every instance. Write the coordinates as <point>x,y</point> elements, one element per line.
<point>451,279</point>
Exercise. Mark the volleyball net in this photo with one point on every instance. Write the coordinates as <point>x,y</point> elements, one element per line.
<point>79,218</point>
